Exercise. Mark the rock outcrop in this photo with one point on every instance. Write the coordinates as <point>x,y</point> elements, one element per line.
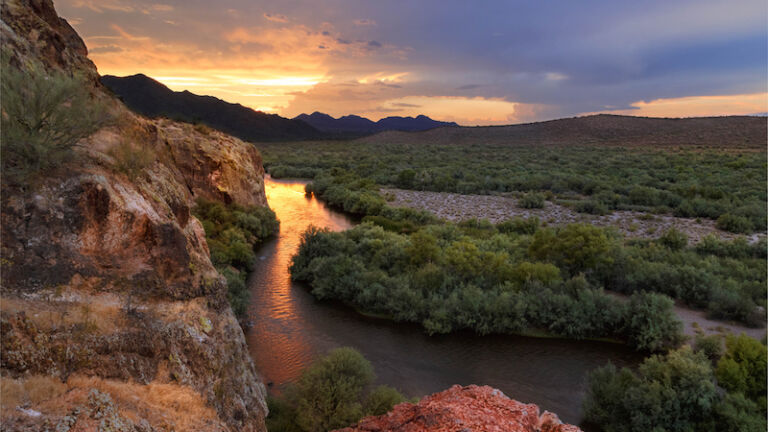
<point>108,291</point>
<point>470,408</point>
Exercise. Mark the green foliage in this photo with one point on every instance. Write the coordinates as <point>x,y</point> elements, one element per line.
<point>675,392</point>
<point>446,280</point>
<point>711,346</point>
<point>703,183</point>
<point>743,367</point>
<point>576,247</point>
<point>734,223</point>
<point>232,231</point>
<point>331,394</point>
<point>674,239</point>
<point>44,115</point>
<point>329,391</point>
<point>652,323</point>
<point>532,200</point>
<point>381,400</point>
<point>519,225</point>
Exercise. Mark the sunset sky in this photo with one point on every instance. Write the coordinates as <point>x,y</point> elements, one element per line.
<point>473,62</point>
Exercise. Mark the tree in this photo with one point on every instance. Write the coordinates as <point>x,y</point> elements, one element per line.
<point>651,322</point>
<point>329,391</point>
<point>43,116</point>
<point>742,368</point>
<point>577,247</point>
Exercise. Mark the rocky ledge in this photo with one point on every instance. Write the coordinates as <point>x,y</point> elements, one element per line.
<point>471,408</point>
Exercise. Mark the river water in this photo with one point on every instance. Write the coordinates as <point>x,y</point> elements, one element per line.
<point>291,329</point>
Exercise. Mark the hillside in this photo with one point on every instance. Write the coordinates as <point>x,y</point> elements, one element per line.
<point>113,316</point>
<point>355,125</point>
<point>153,99</point>
<point>738,132</point>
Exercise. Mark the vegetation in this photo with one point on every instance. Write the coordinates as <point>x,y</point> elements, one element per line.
<point>333,393</point>
<point>44,115</point>
<point>700,182</point>
<point>491,278</point>
<point>679,391</point>
<point>232,231</point>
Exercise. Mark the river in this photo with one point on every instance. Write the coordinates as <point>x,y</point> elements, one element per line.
<point>291,329</point>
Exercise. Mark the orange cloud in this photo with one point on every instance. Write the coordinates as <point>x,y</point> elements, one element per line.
<point>699,106</point>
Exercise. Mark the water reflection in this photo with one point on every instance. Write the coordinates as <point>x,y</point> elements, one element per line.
<point>291,329</point>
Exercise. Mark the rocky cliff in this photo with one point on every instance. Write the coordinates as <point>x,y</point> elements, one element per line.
<point>112,315</point>
<point>470,408</point>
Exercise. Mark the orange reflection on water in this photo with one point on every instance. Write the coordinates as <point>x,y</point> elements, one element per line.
<point>280,340</point>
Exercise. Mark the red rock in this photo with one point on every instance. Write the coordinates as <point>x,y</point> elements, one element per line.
<point>464,409</point>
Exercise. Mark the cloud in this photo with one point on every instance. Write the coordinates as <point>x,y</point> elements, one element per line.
<point>695,106</point>
<point>105,49</point>
<point>276,18</point>
<point>530,61</point>
<point>364,22</point>
<point>406,105</point>
<point>101,6</point>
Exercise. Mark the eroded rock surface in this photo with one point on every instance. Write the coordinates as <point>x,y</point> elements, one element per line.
<point>106,274</point>
<point>470,408</point>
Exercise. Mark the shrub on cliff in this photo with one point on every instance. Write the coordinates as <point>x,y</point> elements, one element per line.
<point>44,115</point>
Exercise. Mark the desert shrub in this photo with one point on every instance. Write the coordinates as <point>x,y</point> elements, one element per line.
<point>675,392</point>
<point>531,200</point>
<point>652,323</point>
<point>674,239</point>
<point>381,400</point>
<point>743,367</point>
<point>576,248</point>
<point>519,225</point>
<point>232,231</point>
<point>591,207</point>
<point>736,224</point>
<point>711,346</point>
<point>45,114</point>
<point>332,393</point>
<point>131,159</point>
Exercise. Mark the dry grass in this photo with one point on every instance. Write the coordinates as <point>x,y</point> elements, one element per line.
<point>32,390</point>
<point>178,407</point>
<point>94,314</point>
<point>165,406</point>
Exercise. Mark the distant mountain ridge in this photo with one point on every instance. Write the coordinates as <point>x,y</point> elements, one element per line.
<point>353,124</point>
<point>153,99</point>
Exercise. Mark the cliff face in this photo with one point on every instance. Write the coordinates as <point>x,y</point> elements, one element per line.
<point>111,308</point>
<point>470,408</point>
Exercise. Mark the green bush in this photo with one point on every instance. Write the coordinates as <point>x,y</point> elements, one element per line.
<point>334,392</point>
<point>652,324</point>
<point>519,225</point>
<point>531,200</point>
<point>576,247</point>
<point>674,239</point>
<point>735,224</point>
<point>232,231</point>
<point>45,114</point>
<point>675,392</point>
<point>743,367</point>
<point>591,207</point>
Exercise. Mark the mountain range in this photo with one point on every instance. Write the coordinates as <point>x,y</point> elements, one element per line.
<point>151,98</point>
<point>356,125</point>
